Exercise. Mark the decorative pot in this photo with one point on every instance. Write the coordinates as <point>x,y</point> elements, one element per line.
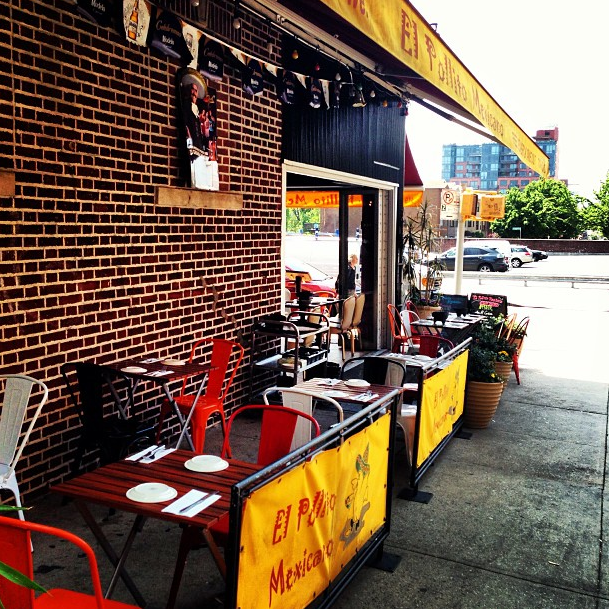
<point>504,369</point>
<point>481,401</point>
<point>425,311</point>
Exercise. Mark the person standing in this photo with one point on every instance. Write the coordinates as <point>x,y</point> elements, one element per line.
<point>351,274</point>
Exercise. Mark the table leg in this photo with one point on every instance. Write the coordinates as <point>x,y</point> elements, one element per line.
<point>117,561</point>
<point>181,419</point>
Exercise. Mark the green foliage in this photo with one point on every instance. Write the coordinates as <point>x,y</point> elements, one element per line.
<point>421,277</point>
<point>295,218</point>
<point>544,209</point>
<point>483,354</point>
<point>596,214</point>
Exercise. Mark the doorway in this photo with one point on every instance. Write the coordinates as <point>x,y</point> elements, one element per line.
<point>358,216</point>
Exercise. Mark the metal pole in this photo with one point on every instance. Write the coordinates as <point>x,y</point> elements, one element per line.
<point>459,252</point>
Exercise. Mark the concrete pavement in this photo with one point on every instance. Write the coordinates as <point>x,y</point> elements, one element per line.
<point>517,518</point>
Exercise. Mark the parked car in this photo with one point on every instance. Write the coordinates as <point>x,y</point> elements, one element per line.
<point>501,245</point>
<point>484,259</point>
<point>539,255</point>
<point>313,280</point>
<point>521,254</point>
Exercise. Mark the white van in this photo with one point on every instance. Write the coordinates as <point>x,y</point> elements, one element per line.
<point>501,245</point>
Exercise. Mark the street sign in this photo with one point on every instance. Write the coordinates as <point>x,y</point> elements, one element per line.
<point>449,204</point>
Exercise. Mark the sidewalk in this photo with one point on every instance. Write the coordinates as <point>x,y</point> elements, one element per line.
<point>517,516</point>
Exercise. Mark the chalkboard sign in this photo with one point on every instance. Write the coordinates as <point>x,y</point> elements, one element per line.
<point>454,303</point>
<point>489,304</point>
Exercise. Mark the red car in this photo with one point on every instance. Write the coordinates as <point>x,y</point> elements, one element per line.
<point>313,280</point>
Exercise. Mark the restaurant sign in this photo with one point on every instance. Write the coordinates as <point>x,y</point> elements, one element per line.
<point>398,27</point>
<point>319,198</point>
<point>299,532</point>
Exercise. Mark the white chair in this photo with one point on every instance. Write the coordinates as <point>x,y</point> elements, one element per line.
<point>354,332</point>
<point>303,401</point>
<point>342,325</point>
<point>17,390</point>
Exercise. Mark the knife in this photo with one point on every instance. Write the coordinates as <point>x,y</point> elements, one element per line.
<point>195,503</point>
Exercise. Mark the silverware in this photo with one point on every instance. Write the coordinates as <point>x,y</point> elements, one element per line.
<point>147,452</point>
<point>188,507</point>
<point>151,455</point>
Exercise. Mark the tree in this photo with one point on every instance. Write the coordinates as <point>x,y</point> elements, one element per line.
<point>297,217</point>
<point>544,209</point>
<point>596,214</point>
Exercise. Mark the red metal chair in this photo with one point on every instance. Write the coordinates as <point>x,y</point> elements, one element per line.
<point>402,340</point>
<point>430,344</point>
<point>516,337</point>
<point>276,434</point>
<point>225,358</point>
<point>15,551</point>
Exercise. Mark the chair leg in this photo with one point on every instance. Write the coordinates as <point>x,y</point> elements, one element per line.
<point>516,369</point>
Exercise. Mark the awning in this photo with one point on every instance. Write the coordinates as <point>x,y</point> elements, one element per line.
<point>404,49</point>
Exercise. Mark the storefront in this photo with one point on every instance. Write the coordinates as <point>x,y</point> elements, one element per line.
<point>125,232</point>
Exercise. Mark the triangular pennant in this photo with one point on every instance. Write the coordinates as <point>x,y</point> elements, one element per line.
<point>167,36</point>
<point>315,93</point>
<point>242,57</point>
<point>192,36</point>
<point>269,67</point>
<point>211,60</point>
<point>325,85</point>
<point>302,79</point>
<point>136,20</point>
<point>287,87</point>
<point>253,82</point>
<point>97,11</point>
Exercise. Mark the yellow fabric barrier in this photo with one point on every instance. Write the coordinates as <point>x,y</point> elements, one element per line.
<point>302,529</point>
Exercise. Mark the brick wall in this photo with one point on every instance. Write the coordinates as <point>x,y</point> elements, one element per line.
<point>90,268</point>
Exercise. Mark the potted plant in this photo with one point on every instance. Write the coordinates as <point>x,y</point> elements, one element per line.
<point>421,275</point>
<point>504,359</point>
<point>484,384</point>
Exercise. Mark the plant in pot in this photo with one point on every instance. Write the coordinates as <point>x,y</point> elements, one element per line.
<point>484,385</point>
<point>504,359</point>
<point>421,275</point>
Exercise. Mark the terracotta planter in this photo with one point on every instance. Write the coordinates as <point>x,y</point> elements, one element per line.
<point>425,311</point>
<point>481,401</point>
<point>504,369</point>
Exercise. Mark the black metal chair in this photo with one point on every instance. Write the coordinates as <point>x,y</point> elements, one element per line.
<point>374,369</point>
<point>114,434</point>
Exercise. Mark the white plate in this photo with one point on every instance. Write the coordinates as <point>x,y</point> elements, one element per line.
<point>173,362</point>
<point>151,492</point>
<point>134,370</point>
<point>206,463</point>
<point>357,383</point>
<point>335,393</point>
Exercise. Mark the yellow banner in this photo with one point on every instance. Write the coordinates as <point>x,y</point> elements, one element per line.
<point>314,198</point>
<point>412,198</point>
<point>402,31</point>
<point>441,405</point>
<point>301,530</point>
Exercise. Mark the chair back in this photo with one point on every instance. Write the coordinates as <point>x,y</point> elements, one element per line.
<point>17,392</point>
<point>276,431</point>
<point>346,317</point>
<point>407,316</point>
<point>16,551</point>
<point>303,401</point>
<point>360,301</point>
<point>430,344</point>
<point>374,369</point>
<point>225,358</point>
<point>396,324</point>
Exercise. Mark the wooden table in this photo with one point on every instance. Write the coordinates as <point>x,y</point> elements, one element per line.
<point>163,374</point>
<point>455,329</point>
<point>109,484</point>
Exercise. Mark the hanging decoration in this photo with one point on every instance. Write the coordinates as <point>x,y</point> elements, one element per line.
<point>211,60</point>
<point>167,36</point>
<point>97,11</point>
<point>197,111</point>
<point>287,87</point>
<point>136,20</point>
<point>253,80</point>
<point>192,37</point>
<point>316,96</point>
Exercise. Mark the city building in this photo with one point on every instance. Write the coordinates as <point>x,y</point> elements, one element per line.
<point>493,166</point>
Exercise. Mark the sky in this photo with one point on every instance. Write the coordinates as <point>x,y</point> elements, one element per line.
<point>544,62</point>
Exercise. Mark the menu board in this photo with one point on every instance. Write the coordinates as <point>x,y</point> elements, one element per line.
<point>454,303</point>
<point>489,304</point>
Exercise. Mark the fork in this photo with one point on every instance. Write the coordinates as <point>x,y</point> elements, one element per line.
<point>150,456</point>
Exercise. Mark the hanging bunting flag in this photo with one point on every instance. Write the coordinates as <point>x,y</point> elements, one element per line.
<point>240,55</point>
<point>325,85</point>
<point>315,93</point>
<point>211,60</point>
<point>269,67</point>
<point>167,36</point>
<point>336,87</point>
<point>136,20</point>
<point>192,37</point>
<point>253,82</point>
<point>301,78</point>
<point>287,87</point>
<point>98,11</point>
